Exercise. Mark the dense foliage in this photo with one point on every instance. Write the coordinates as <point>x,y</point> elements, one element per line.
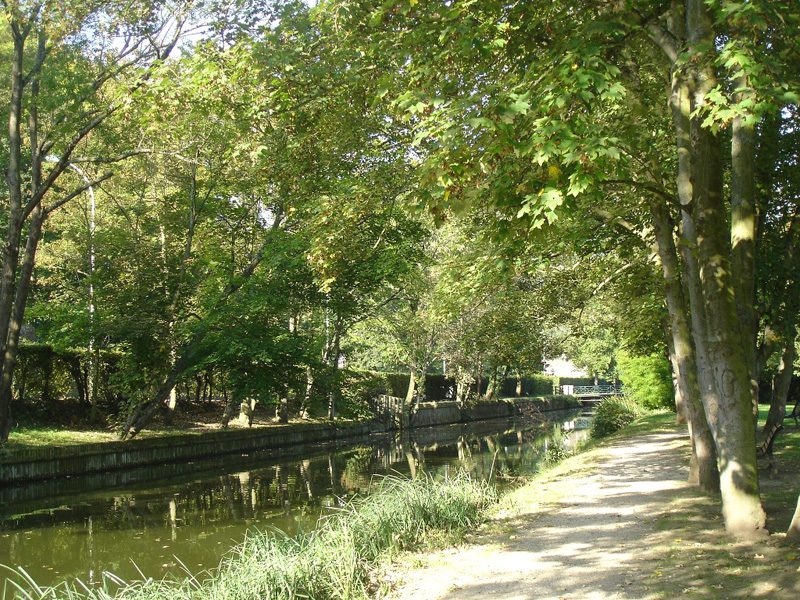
<point>244,201</point>
<point>647,379</point>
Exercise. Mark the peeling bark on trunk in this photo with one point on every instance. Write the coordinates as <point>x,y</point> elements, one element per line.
<point>282,410</point>
<point>247,411</point>
<point>729,406</point>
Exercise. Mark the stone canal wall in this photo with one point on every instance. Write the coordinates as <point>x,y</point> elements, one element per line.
<point>60,461</point>
<point>18,465</point>
<point>446,413</point>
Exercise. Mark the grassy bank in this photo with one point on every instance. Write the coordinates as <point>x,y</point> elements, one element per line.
<point>40,436</point>
<point>333,561</point>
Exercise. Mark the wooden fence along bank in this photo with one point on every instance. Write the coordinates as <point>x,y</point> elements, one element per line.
<point>17,465</point>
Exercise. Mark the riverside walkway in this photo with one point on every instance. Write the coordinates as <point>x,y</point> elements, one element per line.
<point>620,524</point>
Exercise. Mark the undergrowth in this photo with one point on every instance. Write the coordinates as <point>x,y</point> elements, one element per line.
<point>614,413</point>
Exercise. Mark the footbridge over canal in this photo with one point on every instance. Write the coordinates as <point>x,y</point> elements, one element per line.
<point>592,394</point>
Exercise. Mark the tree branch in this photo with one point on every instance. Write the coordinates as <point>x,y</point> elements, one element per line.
<point>650,187</point>
<point>74,193</point>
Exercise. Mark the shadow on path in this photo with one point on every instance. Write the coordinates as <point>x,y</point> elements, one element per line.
<point>632,528</point>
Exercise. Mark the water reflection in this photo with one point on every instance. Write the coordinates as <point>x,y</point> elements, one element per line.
<point>141,530</point>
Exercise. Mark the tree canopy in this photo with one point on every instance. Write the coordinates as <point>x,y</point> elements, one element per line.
<point>267,194</point>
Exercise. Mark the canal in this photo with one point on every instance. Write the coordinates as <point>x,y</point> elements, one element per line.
<point>168,521</point>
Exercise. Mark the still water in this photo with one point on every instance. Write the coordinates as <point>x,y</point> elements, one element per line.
<point>176,520</point>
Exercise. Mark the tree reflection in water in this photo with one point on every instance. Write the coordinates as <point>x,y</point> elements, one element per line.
<point>198,516</point>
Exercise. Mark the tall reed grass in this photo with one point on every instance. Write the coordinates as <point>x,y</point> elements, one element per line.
<point>333,561</point>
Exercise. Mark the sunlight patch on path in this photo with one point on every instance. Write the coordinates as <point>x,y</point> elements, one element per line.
<point>600,542</point>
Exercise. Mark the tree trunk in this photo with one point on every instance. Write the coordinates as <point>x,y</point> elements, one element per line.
<point>15,323</point>
<point>730,410</point>
<point>479,379</point>
<point>282,410</point>
<point>729,405</point>
<point>8,272</point>
<point>247,411</point>
<point>144,412</point>
<point>518,388</point>
<point>228,411</point>
<point>490,391</point>
<point>703,467</point>
<point>333,360</point>
<point>793,533</point>
<point>743,231</point>
<point>304,406</point>
<point>462,387</point>
<point>172,402</point>
<point>780,386</point>
<point>79,378</point>
<point>21,383</point>
<point>678,391</point>
<point>412,386</point>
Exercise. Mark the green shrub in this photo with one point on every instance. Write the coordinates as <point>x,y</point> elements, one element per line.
<point>612,414</point>
<point>556,454</point>
<point>359,390</point>
<point>647,379</point>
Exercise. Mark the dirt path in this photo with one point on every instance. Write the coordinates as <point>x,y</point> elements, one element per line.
<point>611,534</point>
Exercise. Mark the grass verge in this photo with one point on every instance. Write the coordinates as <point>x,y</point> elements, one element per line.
<point>333,561</point>
<point>48,436</point>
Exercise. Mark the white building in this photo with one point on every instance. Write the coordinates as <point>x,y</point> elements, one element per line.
<point>563,367</point>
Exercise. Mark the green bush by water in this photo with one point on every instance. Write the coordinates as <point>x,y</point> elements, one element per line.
<point>647,379</point>
<point>612,414</point>
<point>333,561</point>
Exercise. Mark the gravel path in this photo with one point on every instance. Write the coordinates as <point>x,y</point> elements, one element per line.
<point>597,542</point>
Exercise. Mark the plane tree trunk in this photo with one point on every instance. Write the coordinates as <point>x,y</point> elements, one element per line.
<point>724,370</point>
<point>704,460</point>
<point>728,407</point>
